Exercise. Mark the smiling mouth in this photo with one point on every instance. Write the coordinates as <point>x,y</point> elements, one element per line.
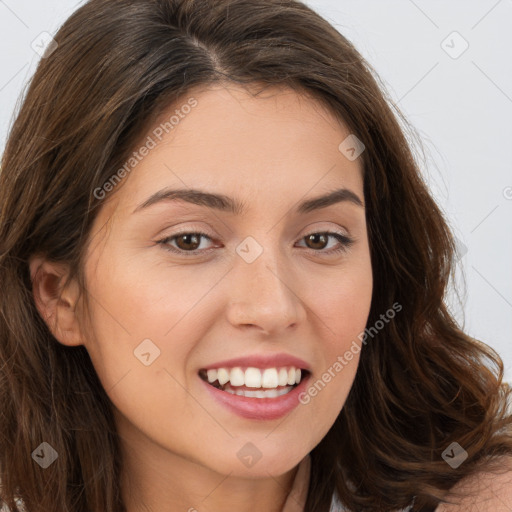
<point>254,382</point>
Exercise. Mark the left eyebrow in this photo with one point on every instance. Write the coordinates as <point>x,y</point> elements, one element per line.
<point>225,203</point>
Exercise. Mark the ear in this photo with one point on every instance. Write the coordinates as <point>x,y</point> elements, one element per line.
<point>56,303</point>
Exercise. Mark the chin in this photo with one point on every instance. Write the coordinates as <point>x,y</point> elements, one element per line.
<point>251,462</point>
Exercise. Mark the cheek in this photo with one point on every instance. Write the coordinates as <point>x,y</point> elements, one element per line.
<point>343,301</point>
<point>137,299</point>
<point>343,314</point>
<point>142,338</point>
<point>143,313</point>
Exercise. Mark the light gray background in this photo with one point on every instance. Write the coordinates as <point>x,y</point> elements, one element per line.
<point>461,106</point>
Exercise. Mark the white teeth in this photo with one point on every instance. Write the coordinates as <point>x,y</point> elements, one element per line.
<point>268,378</point>
<point>222,376</point>
<point>271,393</point>
<point>236,377</point>
<point>212,375</point>
<point>268,393</point>
<point>253,378</point>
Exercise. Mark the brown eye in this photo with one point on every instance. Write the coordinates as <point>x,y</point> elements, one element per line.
<point>317,240</point>
<point>191,241</point>
<point>186,244</point>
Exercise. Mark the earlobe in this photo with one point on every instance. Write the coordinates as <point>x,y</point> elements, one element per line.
<point>55,301</point>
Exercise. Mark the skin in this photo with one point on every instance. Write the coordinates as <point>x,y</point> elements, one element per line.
<point>271,152</point>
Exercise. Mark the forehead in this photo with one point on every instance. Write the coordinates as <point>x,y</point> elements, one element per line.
<point>275,145</point>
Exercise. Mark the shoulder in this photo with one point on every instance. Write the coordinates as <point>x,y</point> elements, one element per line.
<point>483,491</point>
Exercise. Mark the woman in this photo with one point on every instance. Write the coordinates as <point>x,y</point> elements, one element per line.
<point>224,280</point>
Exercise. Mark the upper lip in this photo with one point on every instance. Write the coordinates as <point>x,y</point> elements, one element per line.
<point>261,361</point>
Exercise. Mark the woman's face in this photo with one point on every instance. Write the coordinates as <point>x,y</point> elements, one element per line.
<point>253,292</point>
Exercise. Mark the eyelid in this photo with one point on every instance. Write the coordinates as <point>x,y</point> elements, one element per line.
<point>309,229</point>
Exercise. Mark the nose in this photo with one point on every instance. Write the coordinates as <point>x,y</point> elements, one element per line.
<point>262,294</point>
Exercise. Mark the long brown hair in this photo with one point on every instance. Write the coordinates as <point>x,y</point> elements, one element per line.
<point>421,384</point>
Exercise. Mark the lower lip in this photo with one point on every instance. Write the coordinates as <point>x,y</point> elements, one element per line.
<point>259,408</point>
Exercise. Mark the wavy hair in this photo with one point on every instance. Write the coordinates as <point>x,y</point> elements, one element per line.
<point>421,383</point>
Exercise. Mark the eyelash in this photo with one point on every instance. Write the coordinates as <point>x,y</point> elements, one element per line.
<point>346,243</point>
